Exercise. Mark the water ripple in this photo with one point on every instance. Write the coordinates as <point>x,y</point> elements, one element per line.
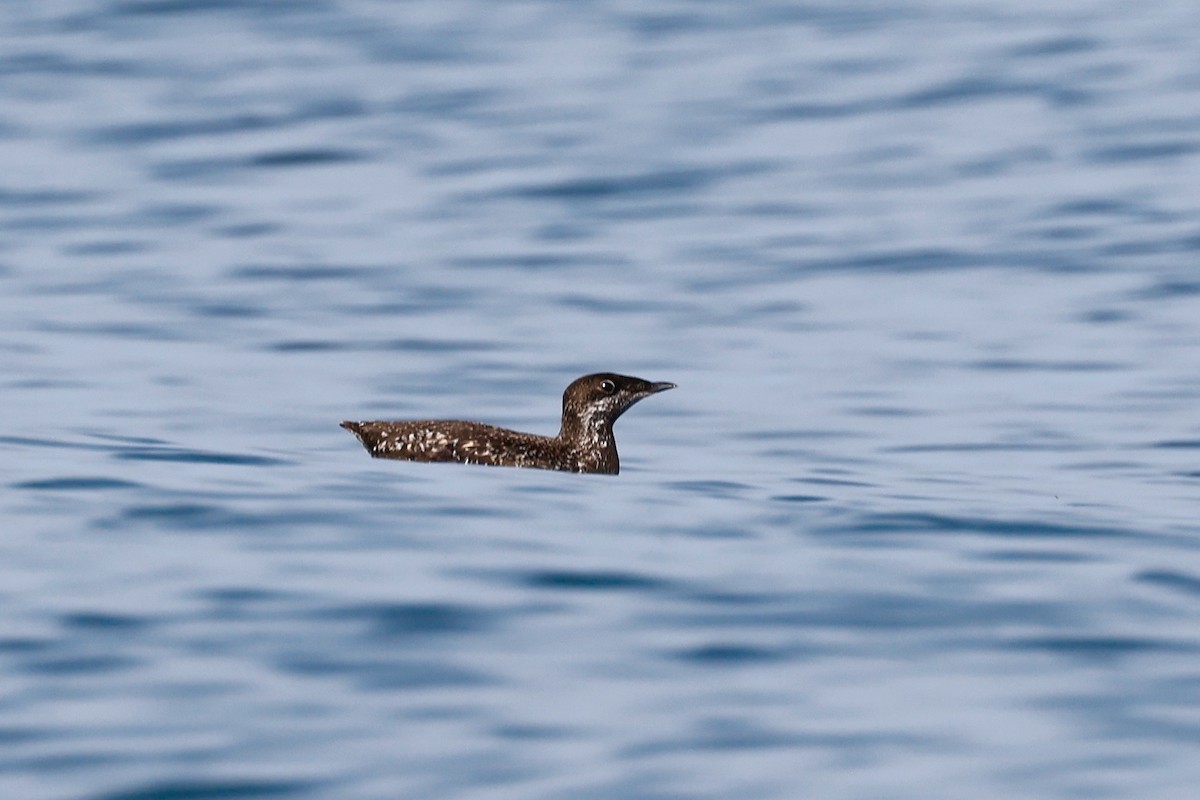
<point>77,484</point>
<point>71,665</point>
<point>938,523</point>
<point>728,654</point>
<point>210,790</point>
<point>1101,648</point>
<point>392,620</point>
<point>186,456</point>
<point>384,674</point>
<point>1170,579</point>
<point>674,181</point>
<point>591,581</point>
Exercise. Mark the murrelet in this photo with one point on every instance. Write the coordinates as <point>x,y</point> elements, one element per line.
<point>585,443</point>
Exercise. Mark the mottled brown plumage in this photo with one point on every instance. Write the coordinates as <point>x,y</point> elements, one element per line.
<point>585,442</point>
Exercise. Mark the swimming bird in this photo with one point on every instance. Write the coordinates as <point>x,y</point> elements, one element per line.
<point>585,442</point>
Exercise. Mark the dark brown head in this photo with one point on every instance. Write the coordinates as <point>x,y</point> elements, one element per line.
<point>591,404</point>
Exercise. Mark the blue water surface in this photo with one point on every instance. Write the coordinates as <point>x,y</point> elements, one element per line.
<point>921,522</point>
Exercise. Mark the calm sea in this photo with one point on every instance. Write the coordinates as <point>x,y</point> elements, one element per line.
<point>921,522</point>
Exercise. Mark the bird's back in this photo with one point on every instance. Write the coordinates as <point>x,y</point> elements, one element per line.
<point>462,442</point>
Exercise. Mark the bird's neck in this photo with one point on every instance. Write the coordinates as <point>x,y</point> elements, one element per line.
<point>587,430</point>
<point>590,440</point>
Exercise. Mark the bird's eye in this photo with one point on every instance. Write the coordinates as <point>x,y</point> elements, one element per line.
<point>607,386</point>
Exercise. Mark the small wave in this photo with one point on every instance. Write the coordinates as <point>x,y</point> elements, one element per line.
<point>198,457</point>
<point>592,581</point>
<point>77,484</point>
<point>209,790</point>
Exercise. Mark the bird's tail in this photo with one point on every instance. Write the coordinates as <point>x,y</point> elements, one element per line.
<point>357,429</point>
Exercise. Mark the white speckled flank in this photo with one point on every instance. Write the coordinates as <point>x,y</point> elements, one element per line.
<point>585,442</point>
